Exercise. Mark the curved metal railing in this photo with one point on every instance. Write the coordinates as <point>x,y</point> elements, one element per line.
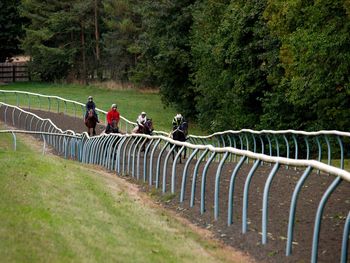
<point>39,101</point>
<point>124,154</point>
<point>324,146</point>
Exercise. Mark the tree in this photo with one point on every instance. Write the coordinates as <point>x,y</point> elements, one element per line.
<point>61,38</point>
<point>10,29</point>
<point>231,47</point>
<point>314,53</point>
<point>120,41</point>
<point>165,57</point>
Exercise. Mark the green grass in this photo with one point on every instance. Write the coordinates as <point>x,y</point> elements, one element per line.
<point>55,210</point>
<point>130,101</point>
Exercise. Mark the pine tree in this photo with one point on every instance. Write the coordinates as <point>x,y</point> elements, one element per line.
<point>10,29</point>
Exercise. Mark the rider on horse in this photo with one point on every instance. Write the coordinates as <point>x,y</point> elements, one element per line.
<point>178,121</point>
<point>141,120</point>
<point>179,132</point>
<point>90,105</point>
<point>112,115</point>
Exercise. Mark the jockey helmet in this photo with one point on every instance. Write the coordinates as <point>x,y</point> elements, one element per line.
<point>90,98</point>
<point>114,105</point>
<point>178,116</point>
<point>143,113</point>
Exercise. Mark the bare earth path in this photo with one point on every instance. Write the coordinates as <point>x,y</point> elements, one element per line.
<point>279,203</point>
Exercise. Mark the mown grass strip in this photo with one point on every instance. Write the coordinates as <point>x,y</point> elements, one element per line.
<point>55,210</point>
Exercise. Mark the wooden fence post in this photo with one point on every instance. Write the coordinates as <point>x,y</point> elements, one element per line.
<point>14,73</point>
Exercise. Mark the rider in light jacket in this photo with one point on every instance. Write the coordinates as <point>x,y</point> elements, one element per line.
<point>177,121</point>
<point>141,119</point>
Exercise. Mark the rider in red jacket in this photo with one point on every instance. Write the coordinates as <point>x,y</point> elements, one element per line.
<point>113,114</point>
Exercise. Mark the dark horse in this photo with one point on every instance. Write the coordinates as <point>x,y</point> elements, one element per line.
<point>112,128</point>
<point>146,129</point>
<point>90,123</point>
<point>180,134</point>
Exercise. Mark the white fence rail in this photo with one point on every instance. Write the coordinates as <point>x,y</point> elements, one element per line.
<point>331,147</point>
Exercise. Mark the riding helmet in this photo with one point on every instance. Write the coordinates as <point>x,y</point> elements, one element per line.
<point>90,98</point>
<point>143,113</point>
<point>114,105</point>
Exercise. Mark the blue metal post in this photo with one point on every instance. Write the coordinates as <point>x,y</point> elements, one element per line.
<point>265,202</point>
<point>293,205</point>
<point>307,148</point>
<point>165,167</point>
<point>204,174</point>
<point>345,242</point>
<point>341,152</point>
<point>217,185</point>
<point>158,163</point>
<point>184,175</point>
<point>230,194</point>
<point>194,177</point>
<point>145,159</point>
<point>245,195</point>
<point>329,155</point>
<point>173,175</point>
<point>151,162</point>
<point>287,145</point>
<point>317,225</point>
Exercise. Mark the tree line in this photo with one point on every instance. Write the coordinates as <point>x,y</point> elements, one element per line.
<point>260,64</point>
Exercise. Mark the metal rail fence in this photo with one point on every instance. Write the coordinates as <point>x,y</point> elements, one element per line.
<point>331,147</point>
<point>60,140</point>
<point>56,104</point>
<point>123,154</point>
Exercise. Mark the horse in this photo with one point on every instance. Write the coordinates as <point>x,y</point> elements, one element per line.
<point>90,123</point>
<point>180,134</point>
<point>112,128</point>
<point>147,128</point>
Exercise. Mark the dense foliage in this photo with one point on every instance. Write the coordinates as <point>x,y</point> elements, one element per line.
<point>230,64</point>
<point>10,29</point>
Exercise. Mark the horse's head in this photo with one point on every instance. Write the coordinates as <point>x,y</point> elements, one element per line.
<point>91,113</point>
<point>184,128</point>
<point>113,127</point>
<point>114,124</point>
<point>91,120</point>
<point>181,132</point>
<point>148,126</point>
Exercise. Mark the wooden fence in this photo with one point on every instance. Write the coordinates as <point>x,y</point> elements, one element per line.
<point>12,72</point>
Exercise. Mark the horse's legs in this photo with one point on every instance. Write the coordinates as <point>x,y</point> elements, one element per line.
<point>93,131</point>
<point>177,148</point>
<point>144,146</point>
<point>173,153</point>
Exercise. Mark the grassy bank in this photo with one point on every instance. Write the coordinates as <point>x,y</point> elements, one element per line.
<point>54,210</point>
<point>130,101</point>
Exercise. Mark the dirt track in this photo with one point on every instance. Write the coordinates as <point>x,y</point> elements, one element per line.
<point>279,202</point>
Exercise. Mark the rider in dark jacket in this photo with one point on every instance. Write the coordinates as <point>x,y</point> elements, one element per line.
<point>90,105</point>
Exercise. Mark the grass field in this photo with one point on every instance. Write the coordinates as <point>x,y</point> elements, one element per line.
<point>56,210</point>
<point>130,101</point>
